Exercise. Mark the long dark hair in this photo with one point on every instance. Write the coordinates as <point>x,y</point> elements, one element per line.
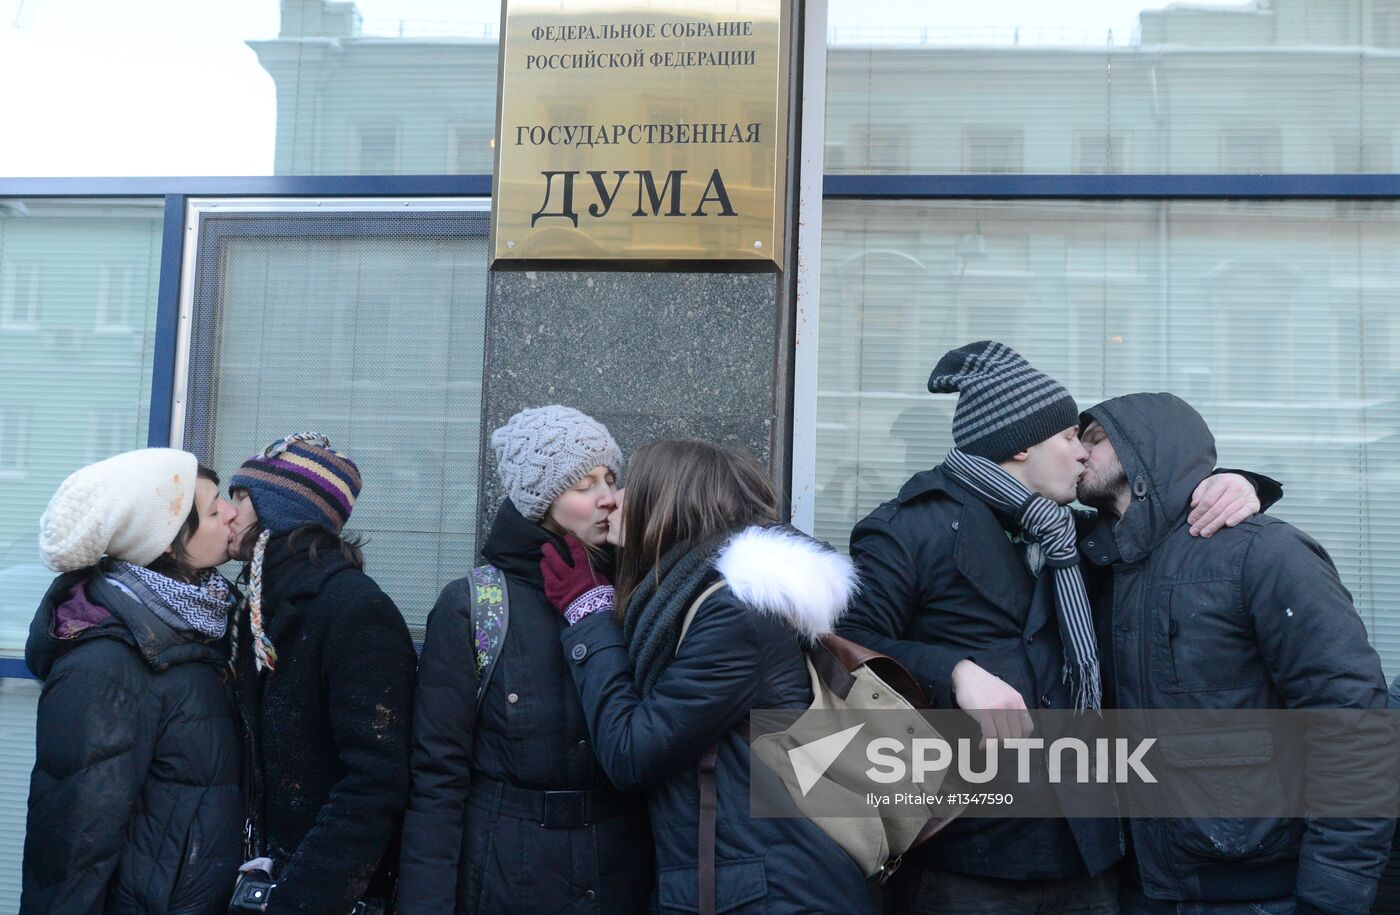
<point>685,491</point>
<point>176,564</point>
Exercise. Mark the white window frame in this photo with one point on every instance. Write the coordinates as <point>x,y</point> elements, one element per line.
<point>116,297</point>
<point>15,422</point>
<point>10,317</point>
<point>196,208</point>
<point>810,179</point>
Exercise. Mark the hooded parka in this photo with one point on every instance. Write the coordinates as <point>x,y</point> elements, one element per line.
<point>134,803</point>
<point>1254,617</point>
<point>510,811</point>
<point>328,730</point>
<point>743,651</point>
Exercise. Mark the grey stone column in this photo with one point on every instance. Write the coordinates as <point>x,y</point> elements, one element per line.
<point>651,354</point>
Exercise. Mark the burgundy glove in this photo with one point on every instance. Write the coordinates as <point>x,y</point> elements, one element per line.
<point>574,588</point>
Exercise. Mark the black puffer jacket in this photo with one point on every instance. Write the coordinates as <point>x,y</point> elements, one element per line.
<point>329,731</point>
<point>742,652</point>
<point>134,804</point>
<point>473,838</point>
<point>1255,617</point>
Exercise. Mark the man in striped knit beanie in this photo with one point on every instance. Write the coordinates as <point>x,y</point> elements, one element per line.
<point>971,577</point>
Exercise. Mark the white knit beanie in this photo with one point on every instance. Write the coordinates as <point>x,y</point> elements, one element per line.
<point>129,507</point>
<point>543,451</point>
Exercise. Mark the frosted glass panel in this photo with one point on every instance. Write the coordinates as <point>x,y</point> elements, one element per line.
<point>1279,321</point>
<point>1293,86</point>
<point>367,328</point>
<point>78,284</point>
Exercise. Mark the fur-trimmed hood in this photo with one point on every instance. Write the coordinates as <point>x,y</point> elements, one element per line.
<point>784,573</point>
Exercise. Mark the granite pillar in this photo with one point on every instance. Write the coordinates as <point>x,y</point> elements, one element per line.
<point>651,354</point>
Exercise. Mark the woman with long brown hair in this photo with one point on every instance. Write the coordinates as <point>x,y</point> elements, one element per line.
<point>698,523</point>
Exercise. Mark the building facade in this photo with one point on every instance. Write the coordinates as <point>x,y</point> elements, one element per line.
<point>1204,203</point>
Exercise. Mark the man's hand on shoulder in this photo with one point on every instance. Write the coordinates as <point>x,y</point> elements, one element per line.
<point>1221,500</point>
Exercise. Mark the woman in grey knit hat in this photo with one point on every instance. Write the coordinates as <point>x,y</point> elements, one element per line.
<point>510,811</point>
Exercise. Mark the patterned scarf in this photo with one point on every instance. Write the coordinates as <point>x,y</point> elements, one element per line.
<point>202,607</point>
<point>1051,527</point>
<point>656,609</point>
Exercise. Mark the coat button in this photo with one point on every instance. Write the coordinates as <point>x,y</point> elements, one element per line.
<point>1030,639</point>
<point>513,698</point>
<point>583,745</point>
<point>578,653</point>
<point>590,895</point>
<point>1045,701</point>
<point>955,525</point>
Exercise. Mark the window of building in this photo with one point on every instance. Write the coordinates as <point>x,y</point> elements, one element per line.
<point>396,309</point>
<point>14,440</point>
<point>471,145</point>
<point>1100,152</point>
<point>108,434</point>
<point>993,150</point>
<point>1251,150</point>
<point>20,291</point>
<point>376,149</point>
<point>118,294</point>
<point>1275,319</point>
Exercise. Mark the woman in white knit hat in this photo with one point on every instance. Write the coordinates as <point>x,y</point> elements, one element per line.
<point>134,802</point>
<point>510,811</point>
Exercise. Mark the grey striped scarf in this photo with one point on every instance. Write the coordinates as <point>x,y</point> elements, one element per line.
<point>1051,526</point>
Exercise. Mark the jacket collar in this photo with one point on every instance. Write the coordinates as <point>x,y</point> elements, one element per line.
<point>290,579</point>
<point>981,550</point>
<point>159,645</point>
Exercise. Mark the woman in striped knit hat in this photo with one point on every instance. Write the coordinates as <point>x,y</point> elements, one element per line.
<point>324,669</point>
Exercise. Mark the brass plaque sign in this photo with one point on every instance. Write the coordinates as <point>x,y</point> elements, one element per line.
<point>642,130</point>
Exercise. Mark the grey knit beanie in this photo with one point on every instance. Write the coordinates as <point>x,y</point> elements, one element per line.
<point>1004,406</point>
<point>543,451</point>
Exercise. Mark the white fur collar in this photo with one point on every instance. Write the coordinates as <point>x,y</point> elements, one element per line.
<point>786,574</point>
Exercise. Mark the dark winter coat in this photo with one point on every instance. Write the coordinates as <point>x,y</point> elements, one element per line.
<point>328,729</point>
<point>134,804</point>
<point>742,652</point>
<point>1255,617</point>
<point>942,582</point>
<point>470,843</point>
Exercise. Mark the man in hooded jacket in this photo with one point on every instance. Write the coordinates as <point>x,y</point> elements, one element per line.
<point>1255,617</point>
<point>971,580</point>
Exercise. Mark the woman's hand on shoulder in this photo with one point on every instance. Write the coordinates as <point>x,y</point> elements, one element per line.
<point>572,585</point>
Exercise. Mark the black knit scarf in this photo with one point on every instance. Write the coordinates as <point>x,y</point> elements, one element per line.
<point>657,608</point>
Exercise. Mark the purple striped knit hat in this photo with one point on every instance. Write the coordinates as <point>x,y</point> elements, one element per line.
<point>298,480</point>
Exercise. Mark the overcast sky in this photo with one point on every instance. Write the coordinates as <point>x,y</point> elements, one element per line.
<point>169,87</point>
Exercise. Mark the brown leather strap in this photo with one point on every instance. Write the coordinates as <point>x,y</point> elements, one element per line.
<point>852,655</point>
<point>708,808</point>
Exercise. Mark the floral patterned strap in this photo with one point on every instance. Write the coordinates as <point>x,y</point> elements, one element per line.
<point>490,609</point>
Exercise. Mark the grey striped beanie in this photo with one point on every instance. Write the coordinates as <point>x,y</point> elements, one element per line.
<point>1004,405</point>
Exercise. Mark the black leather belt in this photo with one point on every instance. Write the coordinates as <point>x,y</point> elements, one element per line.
<point>551,809</point>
